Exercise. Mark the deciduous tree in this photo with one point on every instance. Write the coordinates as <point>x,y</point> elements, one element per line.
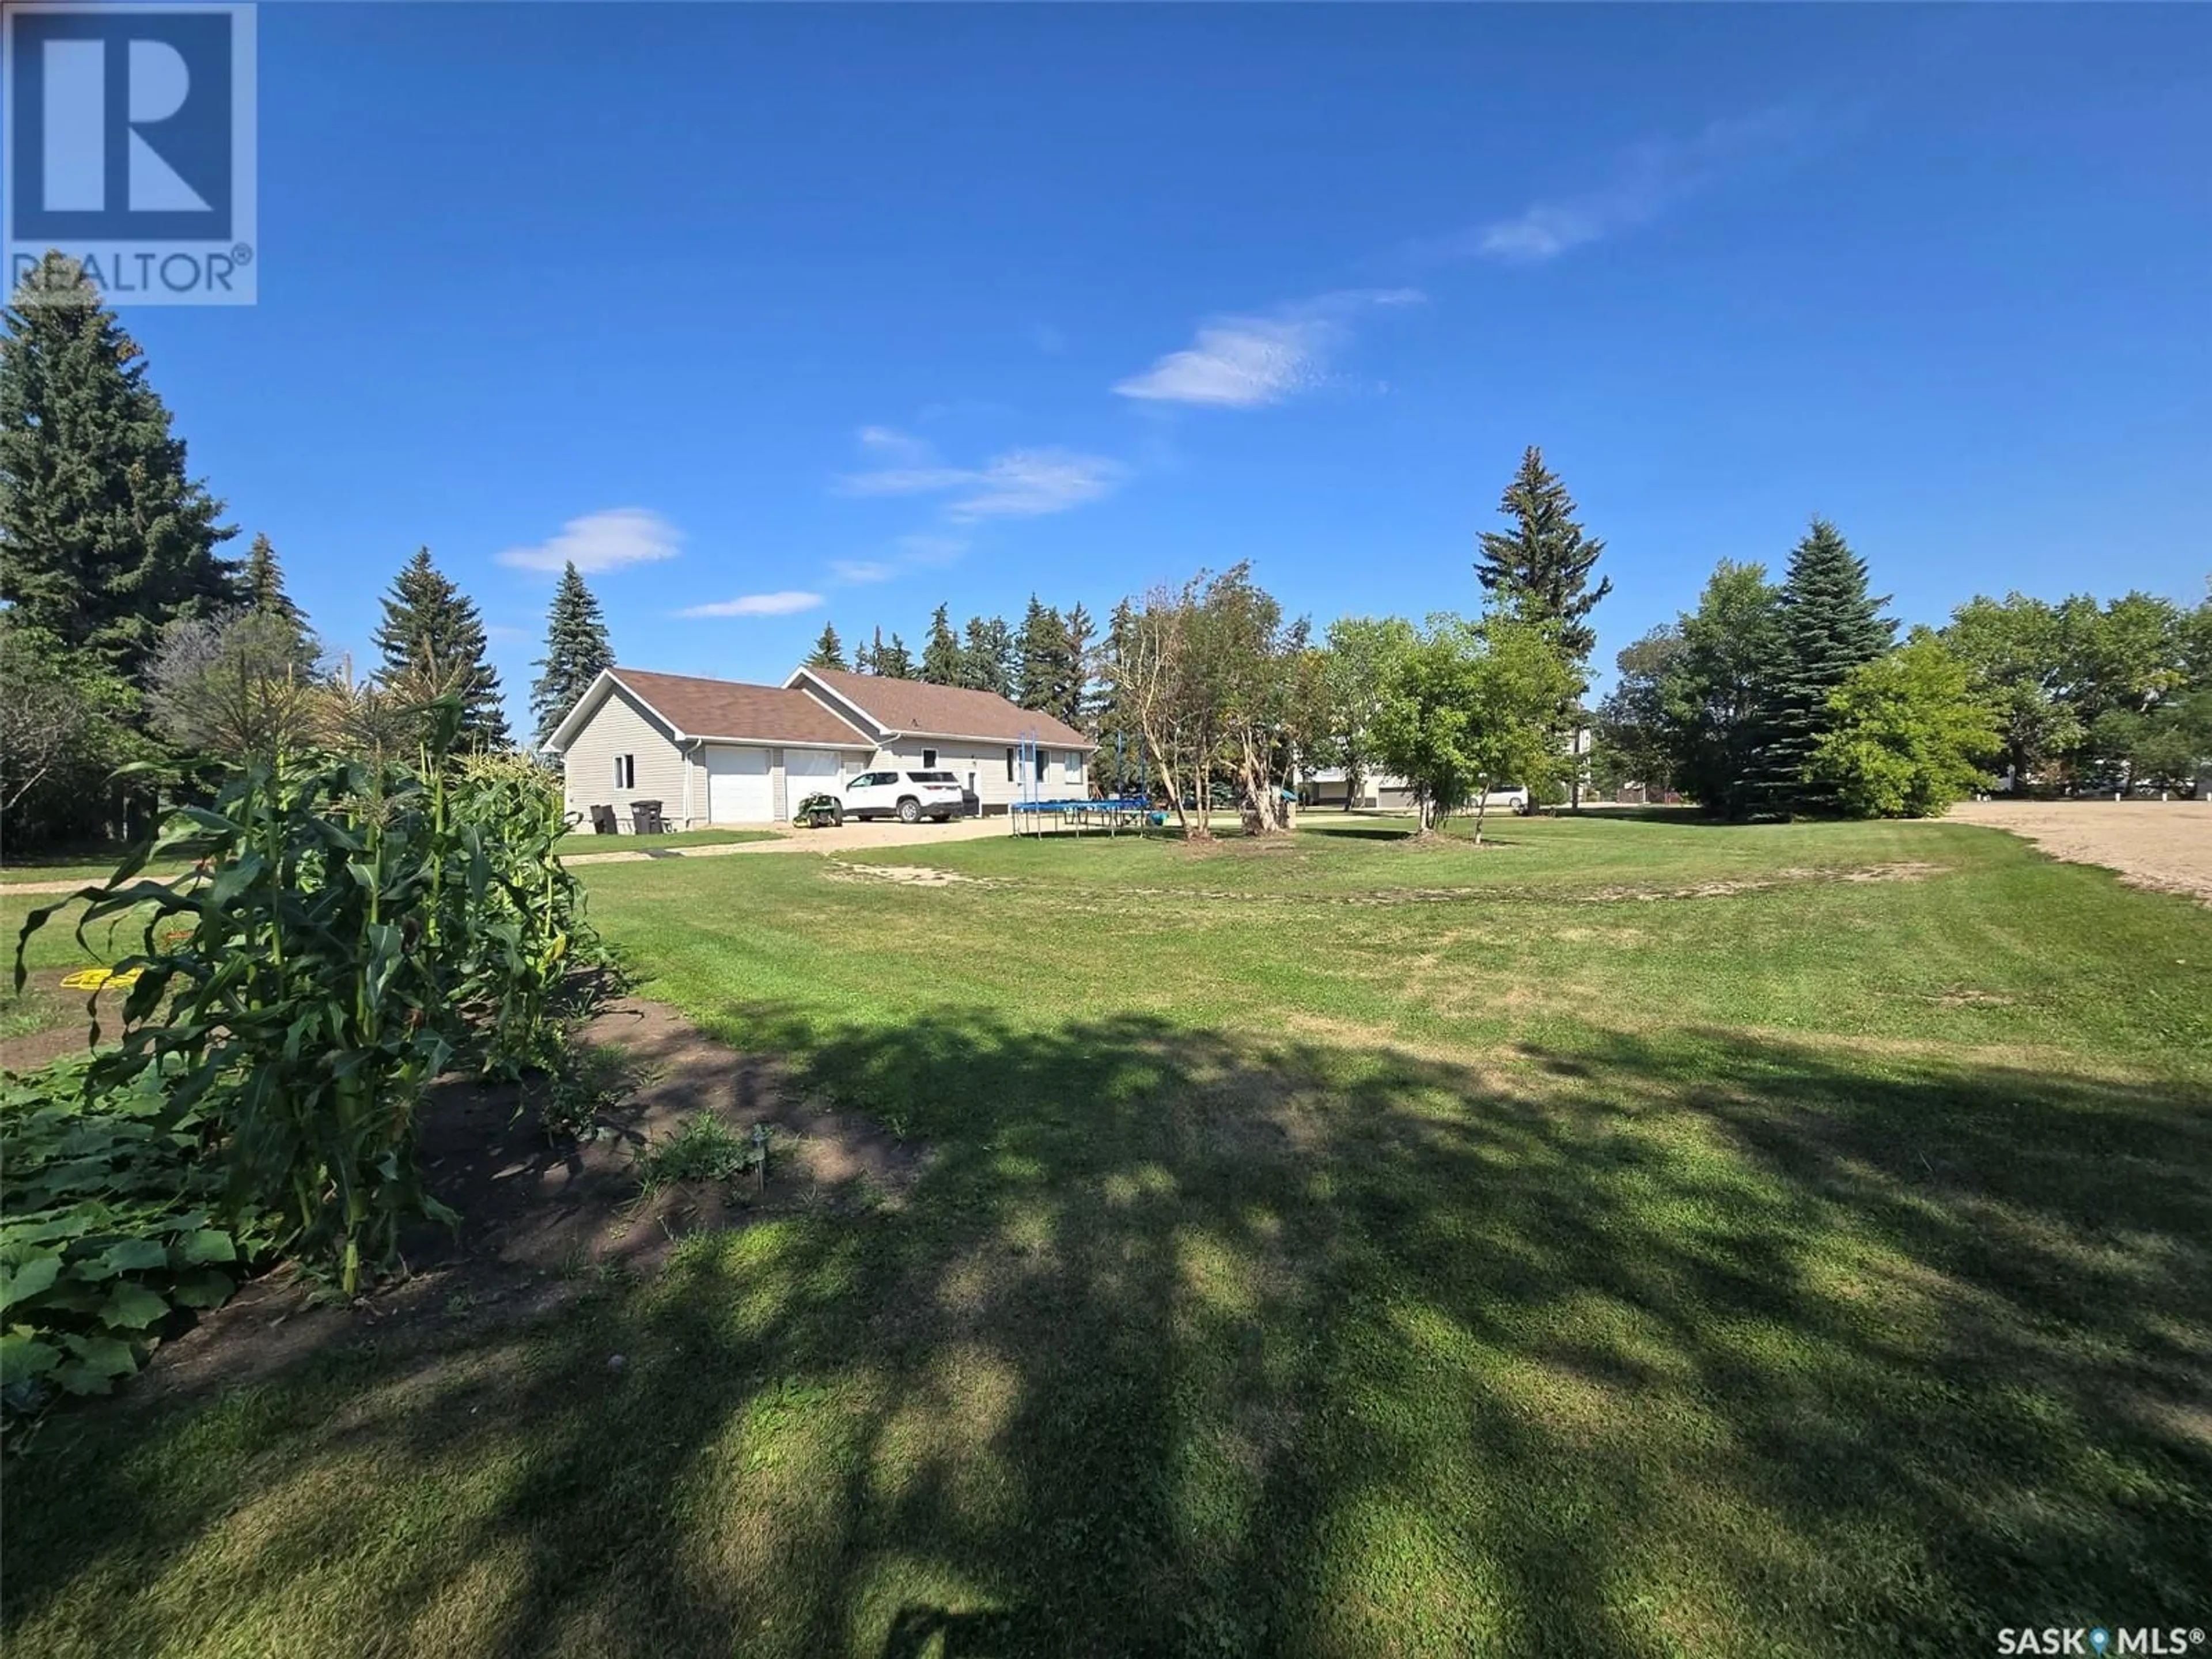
<point>1907,735</point>
<point>1468,708</point>
<point>1712,691</point>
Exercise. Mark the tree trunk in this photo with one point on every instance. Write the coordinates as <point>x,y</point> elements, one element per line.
<point>1481,804</point>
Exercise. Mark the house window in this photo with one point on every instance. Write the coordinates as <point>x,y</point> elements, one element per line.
<point>625,771</point>
<point>1010,766</point>
<point>1074,766</point>
<point>1044,763</point>
<point>929,760</point>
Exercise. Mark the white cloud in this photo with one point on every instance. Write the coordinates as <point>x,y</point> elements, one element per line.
<point>757,604</point>
<point>904,480</point>
<point>600,542</point>
<point>1020,483</point>
<point>1030,483</point>
<point>858,571</point>
<point>1238,362</point>
<point>932,549</point>
<point>895,447</point>
<point>1247,362</point>
<point>1651,178</point>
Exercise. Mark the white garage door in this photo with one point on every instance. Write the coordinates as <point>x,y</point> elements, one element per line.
<point>809,772</point>
<point>738,787</point>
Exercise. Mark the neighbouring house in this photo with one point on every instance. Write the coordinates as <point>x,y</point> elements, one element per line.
<point>725,752</point>
<point>1378,791</point>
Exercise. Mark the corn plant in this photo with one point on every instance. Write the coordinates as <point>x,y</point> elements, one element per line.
<point>353,926</point>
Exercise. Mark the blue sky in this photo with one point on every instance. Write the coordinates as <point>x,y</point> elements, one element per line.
<point>834,313</point>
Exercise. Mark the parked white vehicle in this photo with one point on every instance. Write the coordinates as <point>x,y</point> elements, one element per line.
<point>909,797</point>
<point>1515,796</point>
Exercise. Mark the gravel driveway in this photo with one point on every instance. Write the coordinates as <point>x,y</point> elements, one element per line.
<point>2167,845</point>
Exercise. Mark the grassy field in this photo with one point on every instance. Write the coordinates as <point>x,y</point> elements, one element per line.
<point>1635,1238</point>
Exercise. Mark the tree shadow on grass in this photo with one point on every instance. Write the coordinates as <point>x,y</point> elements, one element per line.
<point>1192,1344</point>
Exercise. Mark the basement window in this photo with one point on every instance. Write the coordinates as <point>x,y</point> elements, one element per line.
<point>625,771</point>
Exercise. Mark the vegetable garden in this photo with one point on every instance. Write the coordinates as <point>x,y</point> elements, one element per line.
<point>355,925</point>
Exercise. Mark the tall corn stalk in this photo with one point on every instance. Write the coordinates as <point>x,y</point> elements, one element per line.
<point>355,926</point>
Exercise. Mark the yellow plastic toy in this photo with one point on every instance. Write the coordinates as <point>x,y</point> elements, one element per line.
<point>98,979</point>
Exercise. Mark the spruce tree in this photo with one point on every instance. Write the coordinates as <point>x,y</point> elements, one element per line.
<point>1076,631</point>
<point>104,539</point>
<point>577,651</point>
<point>988,661</point>
<point>1042,660</point>
<point>894,661</point>
<point>432,639</point>
<point>864,655</point>
<point>1828,624</point>
<point>943,662</point>
<point>261,582</point>
<point>1540,569</point>
<point>829,651</point>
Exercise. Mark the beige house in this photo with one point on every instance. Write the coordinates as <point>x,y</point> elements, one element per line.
<point>724,752</point>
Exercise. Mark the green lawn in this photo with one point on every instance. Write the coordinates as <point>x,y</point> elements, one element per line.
<point>1635,1238</point>
<point>584,841</point>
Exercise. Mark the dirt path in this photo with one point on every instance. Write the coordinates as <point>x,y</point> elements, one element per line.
<point>2163,845</point>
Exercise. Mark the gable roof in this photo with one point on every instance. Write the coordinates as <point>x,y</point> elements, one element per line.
<point>696,707</point>
<point>917,708</point>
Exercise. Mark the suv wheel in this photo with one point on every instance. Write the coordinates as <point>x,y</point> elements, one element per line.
<point>909,811</point>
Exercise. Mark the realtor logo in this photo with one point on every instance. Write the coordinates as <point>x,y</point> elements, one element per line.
<point>129,144</point>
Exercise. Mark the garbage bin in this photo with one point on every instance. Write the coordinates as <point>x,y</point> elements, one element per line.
<point>645,818</point>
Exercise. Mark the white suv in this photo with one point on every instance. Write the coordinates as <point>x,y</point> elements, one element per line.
<point>907,796</point>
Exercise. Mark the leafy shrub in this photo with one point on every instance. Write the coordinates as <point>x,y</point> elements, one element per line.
<point>107,1225</point>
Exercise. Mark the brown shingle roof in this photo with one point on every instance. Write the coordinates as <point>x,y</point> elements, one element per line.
<point>728,709</point>
<point>945,710</point>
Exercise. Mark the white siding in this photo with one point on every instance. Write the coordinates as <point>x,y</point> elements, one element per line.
<point>621,726</point>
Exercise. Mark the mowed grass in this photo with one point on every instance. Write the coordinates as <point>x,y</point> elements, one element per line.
<point>583,840</point>
<point>1636,1238</point>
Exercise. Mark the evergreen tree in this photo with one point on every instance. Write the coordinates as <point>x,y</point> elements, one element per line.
<point>1121,761</point>
<point>894,661</point>
<point>988,661</point>
<point>1540,569</point>
<point>1043,660</point>
<point>104,539</point>
<point>1076,707</point>
<point>943,662</point>
<point>432,639</point>
<point>263,579</point>
<point>829,650</point>
<point>1828,625</point>
<point>262,583</point>
<point>577,651</point>
<point>867,654</point>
